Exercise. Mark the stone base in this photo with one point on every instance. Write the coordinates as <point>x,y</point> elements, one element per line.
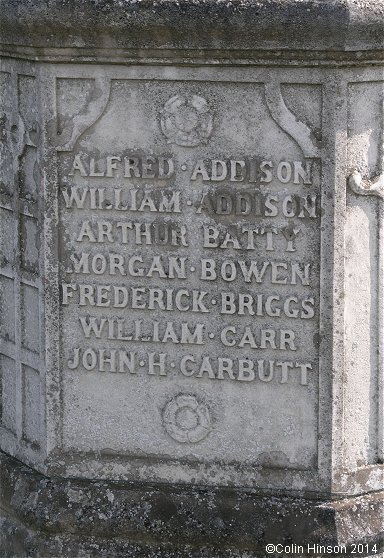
<point>56,517</point>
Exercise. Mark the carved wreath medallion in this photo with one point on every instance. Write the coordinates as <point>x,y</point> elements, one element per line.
<point>186,121</point>
<point>186,419</point>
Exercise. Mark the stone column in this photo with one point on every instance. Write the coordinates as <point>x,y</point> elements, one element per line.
<point>191,326</point>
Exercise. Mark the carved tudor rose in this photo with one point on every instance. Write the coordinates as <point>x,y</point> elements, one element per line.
<point>186,121</point>
<point>186,419</point>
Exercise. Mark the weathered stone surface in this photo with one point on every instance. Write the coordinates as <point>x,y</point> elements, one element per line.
<point>58,517</point>
<point>192,270</point>
<point>328,28</point>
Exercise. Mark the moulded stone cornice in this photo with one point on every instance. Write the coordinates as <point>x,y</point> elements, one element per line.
<point>201,30</point>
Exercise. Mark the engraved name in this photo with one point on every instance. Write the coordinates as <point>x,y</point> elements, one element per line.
<point>219,202</point>
<point>252,169</point>
<point>121,329</point>
<point>220,368</point>
<point>187,300</point>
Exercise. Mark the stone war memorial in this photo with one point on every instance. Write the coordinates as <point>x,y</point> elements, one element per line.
<point>191,288</point>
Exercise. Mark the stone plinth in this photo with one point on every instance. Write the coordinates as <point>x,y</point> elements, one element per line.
<point>192,277</point>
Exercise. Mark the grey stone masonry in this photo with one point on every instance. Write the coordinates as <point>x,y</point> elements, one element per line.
<point>191,283</point>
